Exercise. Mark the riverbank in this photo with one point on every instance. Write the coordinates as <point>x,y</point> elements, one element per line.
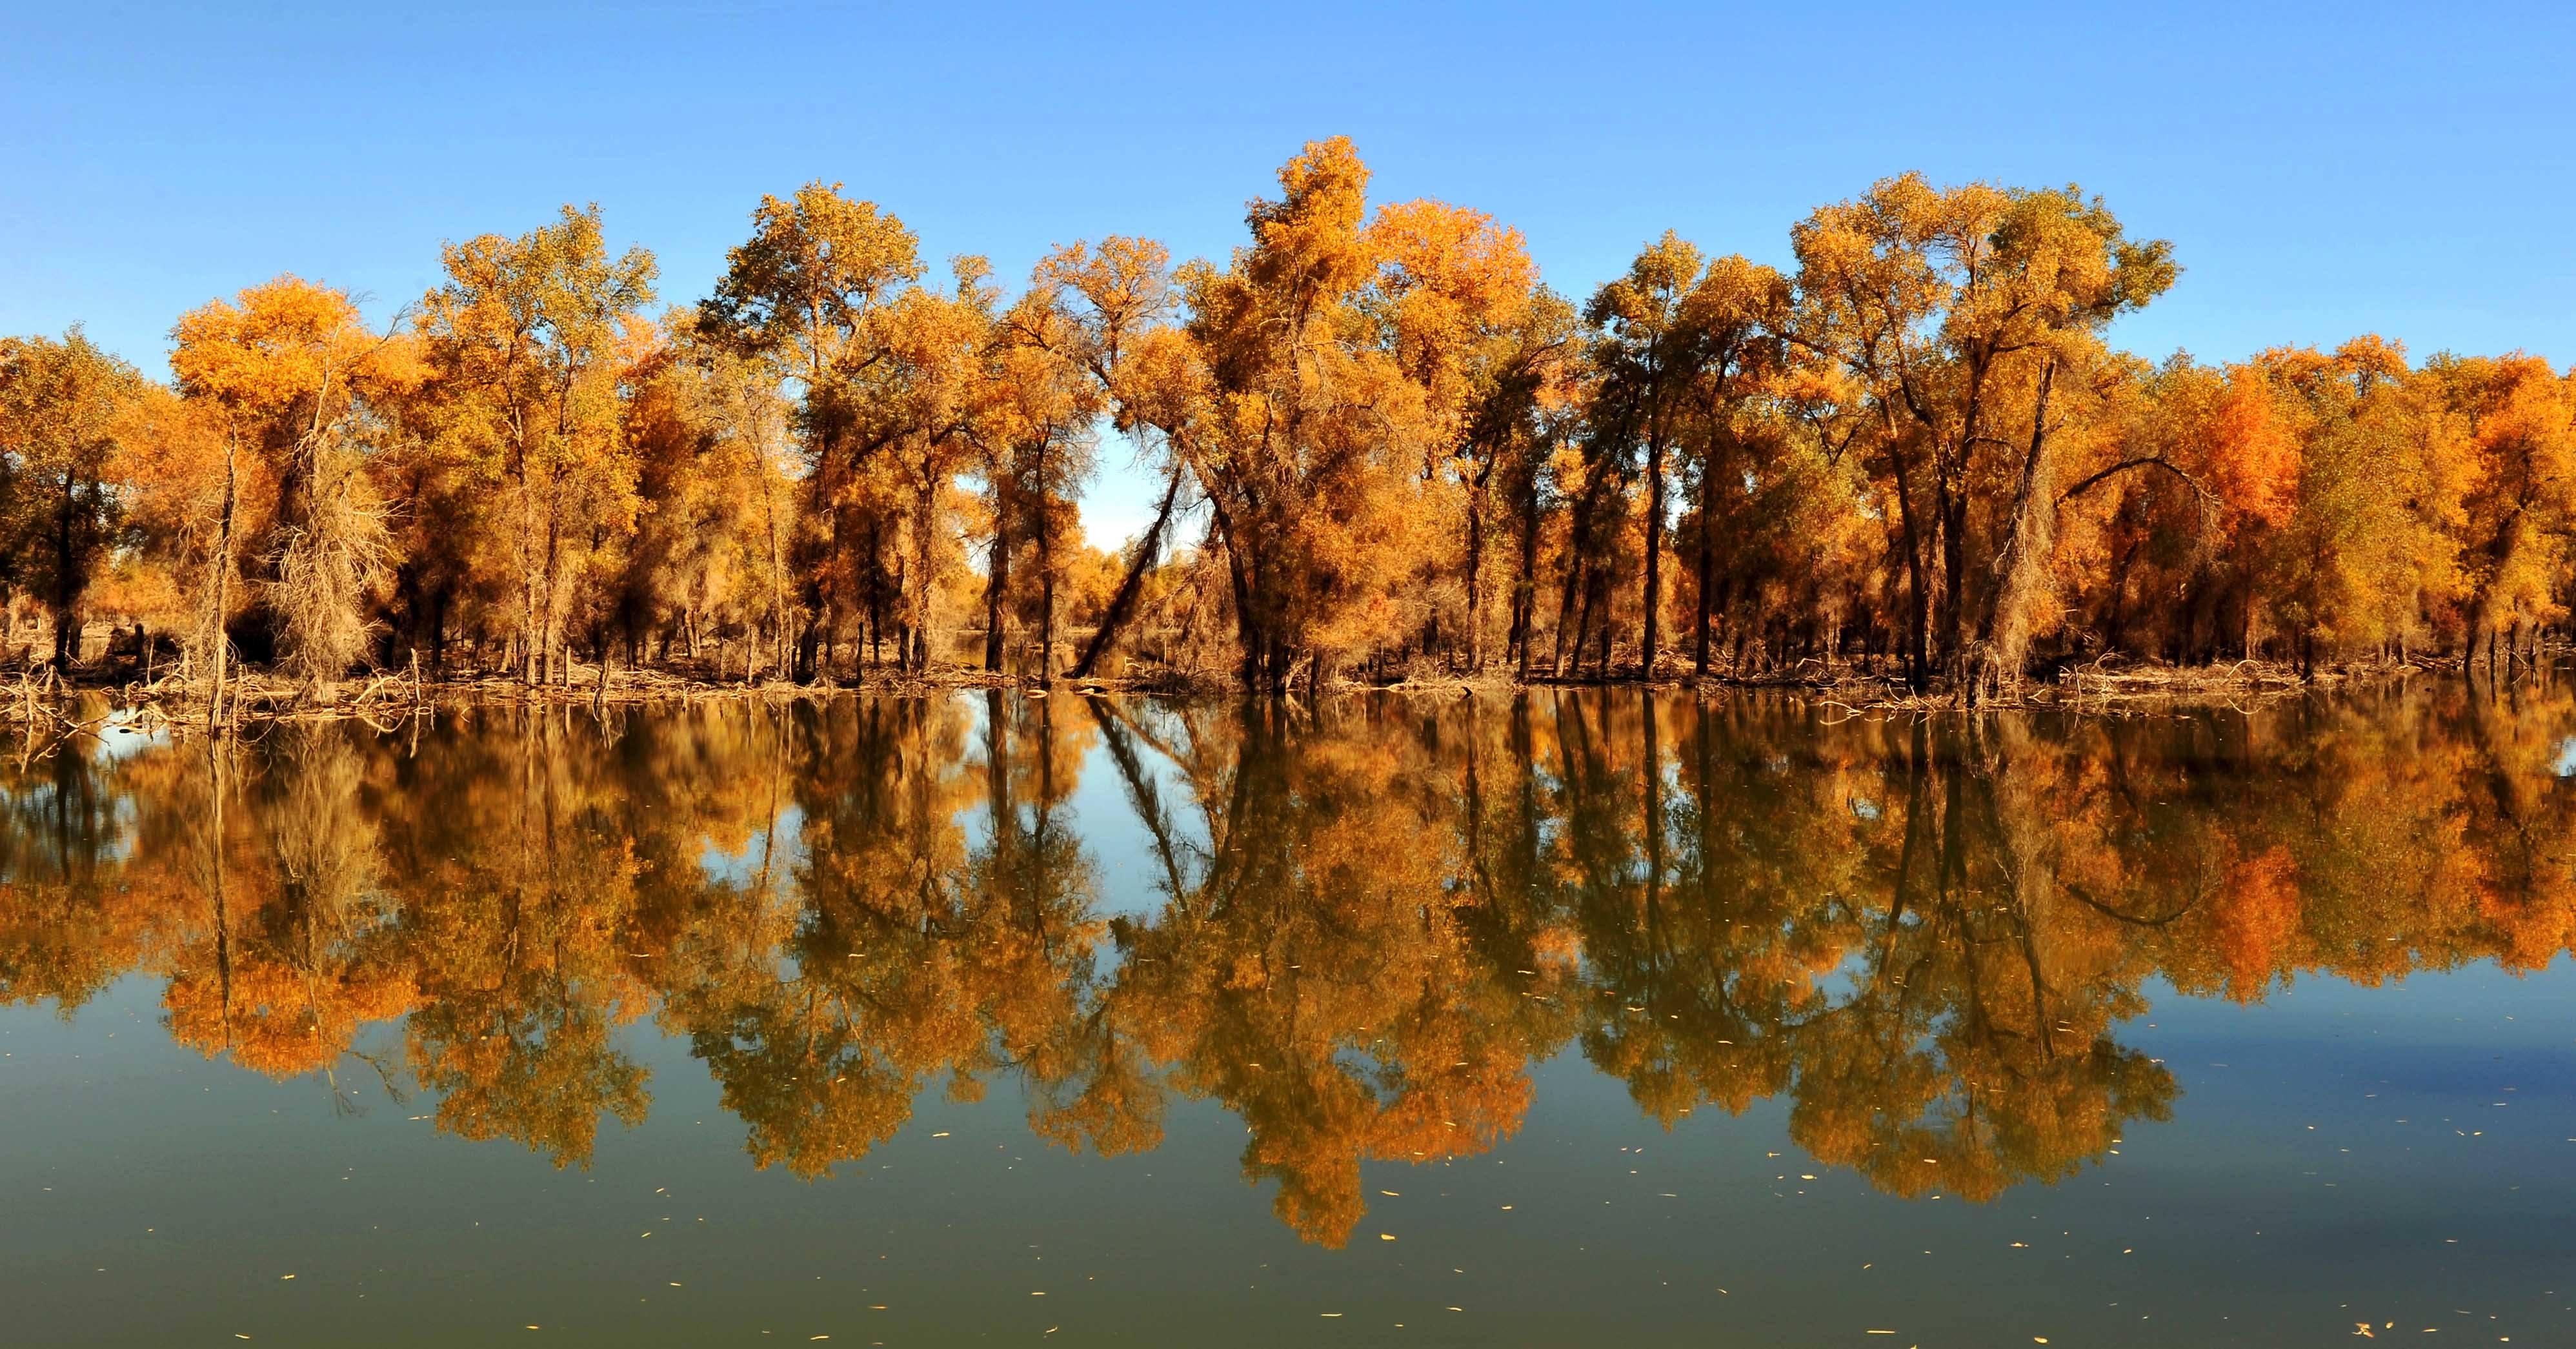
<point>41,703</point>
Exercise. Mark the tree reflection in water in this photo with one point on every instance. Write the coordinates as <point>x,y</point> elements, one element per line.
<point>1358,924</point>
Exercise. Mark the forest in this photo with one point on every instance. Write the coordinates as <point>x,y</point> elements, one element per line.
<point>1386,451</point>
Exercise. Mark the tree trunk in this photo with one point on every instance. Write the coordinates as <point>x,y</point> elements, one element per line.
<point>218,642</point>
<point>996,577</point>
<point>1046,598</point>
<point>925,507</point>
<point>1476,578</point>
<point>1654,555</point>
<point>66,584</point>
<point>876,591</point>
<point>1250,634</point>
<point>1918,607</point>
<point>1525,593</point>
<point>1568,618</point>
<point>1707,573</point>
<point>529,624</point>
<point>1122,603</point>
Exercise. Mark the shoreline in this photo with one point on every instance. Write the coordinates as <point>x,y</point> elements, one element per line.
<point>37,699</point>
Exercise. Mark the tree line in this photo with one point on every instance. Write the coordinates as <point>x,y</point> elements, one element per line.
<point>1385,449</point>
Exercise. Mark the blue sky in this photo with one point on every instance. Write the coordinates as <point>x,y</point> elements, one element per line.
<point>2321,170</point>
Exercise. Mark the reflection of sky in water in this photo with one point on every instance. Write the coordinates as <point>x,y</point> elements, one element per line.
<point>1845,979</point>
<point>122,738</point>
<point>2338,1150</point>
<point>1131,869</point>
<point>1102,810</point>
<point>741,869</point>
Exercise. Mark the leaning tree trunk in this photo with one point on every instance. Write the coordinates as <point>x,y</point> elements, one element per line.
<point>1122,604</point>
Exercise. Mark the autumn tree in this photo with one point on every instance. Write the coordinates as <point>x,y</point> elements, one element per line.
<point>1467,319</point>
<point>1745,453</point>
<point>524,336</point>
<point>711,432</point>
<point>63,407</point>
<point>2520,504</point>
<point>1115,298</point>
<point>177,491</point>
<point>1309,437</point>
<point>2371,551</point>
<point>306,390</point>
<point>2185,564</point>
<point>1036,431</point>
<point>804,291</point>
<point>918,400</point>
<point>1650,354</point>
<point>1962,311</point>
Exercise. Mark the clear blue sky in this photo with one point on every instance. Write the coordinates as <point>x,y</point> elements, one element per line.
<point>2321,170</point>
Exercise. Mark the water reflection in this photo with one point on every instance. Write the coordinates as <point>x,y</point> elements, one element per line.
<point>1354,926</point>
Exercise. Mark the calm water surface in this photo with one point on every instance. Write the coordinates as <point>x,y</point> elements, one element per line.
<point>1559,1020</point>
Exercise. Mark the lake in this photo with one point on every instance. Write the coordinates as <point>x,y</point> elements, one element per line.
<point>1560,1018</point>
